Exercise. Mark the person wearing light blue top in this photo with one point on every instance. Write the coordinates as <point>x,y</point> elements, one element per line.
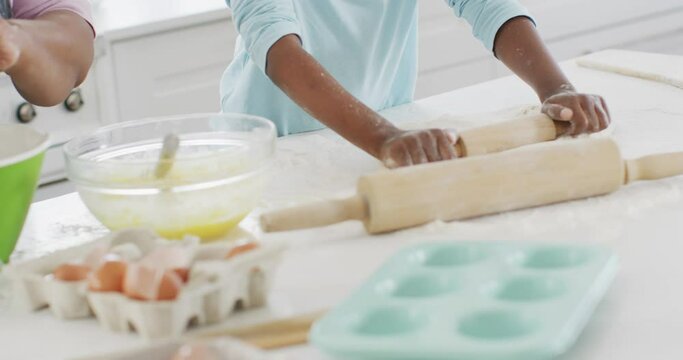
<point>307,64</point>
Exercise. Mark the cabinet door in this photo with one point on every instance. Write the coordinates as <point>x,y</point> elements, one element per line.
<point>174,72</point>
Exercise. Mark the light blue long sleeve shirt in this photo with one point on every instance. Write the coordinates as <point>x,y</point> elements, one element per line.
<point>369,46</point>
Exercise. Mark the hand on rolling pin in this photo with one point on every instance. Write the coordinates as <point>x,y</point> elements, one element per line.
<point>407,148</point>
<point>315,90</point>
<point>520,47</point>
<point>586,113</point>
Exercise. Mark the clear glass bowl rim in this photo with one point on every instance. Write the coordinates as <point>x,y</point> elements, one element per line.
<point>71,147</point>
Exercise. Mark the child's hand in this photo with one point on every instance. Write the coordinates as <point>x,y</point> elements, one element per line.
<point>418,147</point>
<point>9,50</point>
<point>586,113</point>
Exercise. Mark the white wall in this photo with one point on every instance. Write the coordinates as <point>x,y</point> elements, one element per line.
<point>451,58</point>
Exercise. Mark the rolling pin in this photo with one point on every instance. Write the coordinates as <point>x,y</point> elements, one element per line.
<point>465,188</point>
<point>274,334</point>
<point>509,134</point>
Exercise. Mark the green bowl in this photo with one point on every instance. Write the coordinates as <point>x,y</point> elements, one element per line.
<point>21,156</point>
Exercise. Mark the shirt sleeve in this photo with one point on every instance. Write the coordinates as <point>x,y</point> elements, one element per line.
<point>487,16</point>
<point>31,9</point>
<point>261,23</point>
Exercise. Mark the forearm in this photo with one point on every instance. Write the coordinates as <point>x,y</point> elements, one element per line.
<point>56,51</point>
<point>308,84</point>
<point>519,46</point>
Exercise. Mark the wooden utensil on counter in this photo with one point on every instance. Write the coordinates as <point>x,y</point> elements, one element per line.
<point>510,134</point>
<point>464,188</point>
<point>274,334</point>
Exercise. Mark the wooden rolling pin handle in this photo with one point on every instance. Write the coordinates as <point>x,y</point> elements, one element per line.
<point>506,135</point>
<point>654,167</point>
<point>315,215</point>
<point>274,334</point>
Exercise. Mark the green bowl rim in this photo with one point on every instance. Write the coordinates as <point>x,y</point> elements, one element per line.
<point>28,154</point>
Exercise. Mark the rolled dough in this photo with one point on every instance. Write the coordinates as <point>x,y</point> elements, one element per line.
<point>667,69</point>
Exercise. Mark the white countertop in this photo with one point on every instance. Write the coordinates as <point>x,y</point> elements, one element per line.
<point>640,316</point>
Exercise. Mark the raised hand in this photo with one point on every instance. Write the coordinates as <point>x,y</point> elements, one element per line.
<point>9,45</point>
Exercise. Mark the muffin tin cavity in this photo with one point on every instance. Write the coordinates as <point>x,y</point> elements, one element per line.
<point>497,325</point>
<point>531,288</point>
<point>419,286</point>
<point>424,286</point>
<point>390,322</point>
<point>470,300</point>
<point>555,257</point>
<point>455,255</point>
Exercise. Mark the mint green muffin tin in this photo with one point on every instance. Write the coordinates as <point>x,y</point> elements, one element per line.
<point>470,300</point>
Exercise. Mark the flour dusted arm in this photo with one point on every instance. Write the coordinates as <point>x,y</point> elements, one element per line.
<point>271,35</point>
<point>507,29</point>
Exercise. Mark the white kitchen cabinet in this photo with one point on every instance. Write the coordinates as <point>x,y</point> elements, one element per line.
<point>173,72</point>
<point>170,62</point>
<point>162,64</point>
<point>449,54</point>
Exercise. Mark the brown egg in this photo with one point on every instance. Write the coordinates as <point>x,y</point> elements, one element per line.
<point>71,272</point>
<point>241,249</point>
<point>183,273</point>
<point>148,283</point>
<point>108,276</point>
<point>170,286</point>
<point>196,352</point>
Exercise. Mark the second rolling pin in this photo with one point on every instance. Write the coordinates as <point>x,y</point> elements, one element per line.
<point>465,188</point>
<point>509,134</point>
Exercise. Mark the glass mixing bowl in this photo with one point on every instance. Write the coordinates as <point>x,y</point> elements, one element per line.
<point>215,180</point>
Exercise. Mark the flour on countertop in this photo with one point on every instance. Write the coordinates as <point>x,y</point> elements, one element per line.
<point>600,219</point>
<point>322,165</point>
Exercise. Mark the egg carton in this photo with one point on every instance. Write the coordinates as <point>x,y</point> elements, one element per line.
<point>216,288</point>
<point>33,288</point>
<point>471,300</point>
